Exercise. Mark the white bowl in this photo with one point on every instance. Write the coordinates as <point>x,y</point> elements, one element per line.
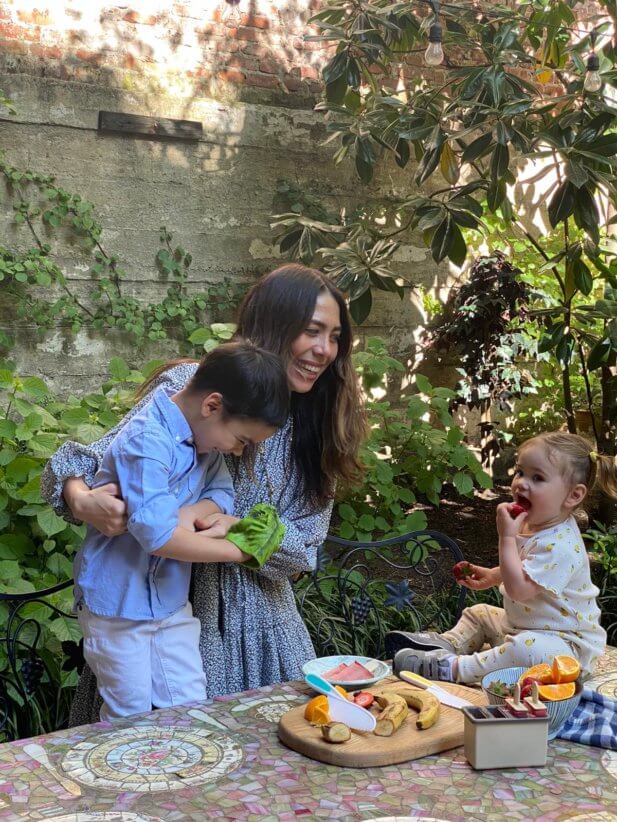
<point>323,664</point>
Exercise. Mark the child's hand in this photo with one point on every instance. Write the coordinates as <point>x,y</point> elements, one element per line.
<point>215,525</point>
<point>506,526</point>
<point>480,578</point>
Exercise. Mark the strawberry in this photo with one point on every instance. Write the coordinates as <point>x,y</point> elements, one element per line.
<point>515,510</point>
<point>462,570</point>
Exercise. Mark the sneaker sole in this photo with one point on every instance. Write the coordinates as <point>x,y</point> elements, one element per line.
<point>398,640</point>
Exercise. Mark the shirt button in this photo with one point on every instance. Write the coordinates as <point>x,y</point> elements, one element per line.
<point>190,440</point>
<point>177,439</point>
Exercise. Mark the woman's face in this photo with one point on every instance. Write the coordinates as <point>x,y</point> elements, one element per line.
<point>317,346</point>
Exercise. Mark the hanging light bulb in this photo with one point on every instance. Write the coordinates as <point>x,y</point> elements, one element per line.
<point>593,81</point>
<point>433,56</point>
<point>230,12</point>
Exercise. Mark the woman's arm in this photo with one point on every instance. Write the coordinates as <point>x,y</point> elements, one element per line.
<point>74,460</point>
<point>305,532</point>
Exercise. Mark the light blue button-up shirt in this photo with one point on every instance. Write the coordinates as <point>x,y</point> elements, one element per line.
<point>155,464</point>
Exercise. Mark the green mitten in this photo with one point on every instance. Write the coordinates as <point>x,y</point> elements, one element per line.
<point>259,534</point>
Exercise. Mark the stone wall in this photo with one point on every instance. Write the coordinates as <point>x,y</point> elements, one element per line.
<point>249,79</point>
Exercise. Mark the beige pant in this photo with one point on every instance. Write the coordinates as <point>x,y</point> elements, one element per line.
<point>483,624</point>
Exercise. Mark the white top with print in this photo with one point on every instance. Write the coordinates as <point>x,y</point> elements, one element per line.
<point>556,560</point>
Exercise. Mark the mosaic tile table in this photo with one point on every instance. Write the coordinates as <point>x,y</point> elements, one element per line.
<point>222,760</point>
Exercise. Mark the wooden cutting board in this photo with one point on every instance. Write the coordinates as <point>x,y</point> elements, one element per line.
<point>365,750</point>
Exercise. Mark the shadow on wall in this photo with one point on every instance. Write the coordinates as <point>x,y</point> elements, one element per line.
<point>216,195</point>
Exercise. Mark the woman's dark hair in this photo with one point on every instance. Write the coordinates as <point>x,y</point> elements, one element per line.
<point>251,381</point>
<point>329,422</point>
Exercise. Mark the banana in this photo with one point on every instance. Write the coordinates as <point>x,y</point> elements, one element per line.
<point>393,715</point>
<point>426,703</point>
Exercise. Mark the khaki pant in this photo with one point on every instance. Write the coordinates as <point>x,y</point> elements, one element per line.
<point>483,624</point>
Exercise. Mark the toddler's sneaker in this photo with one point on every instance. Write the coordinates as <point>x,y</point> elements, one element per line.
<point>421,641</point>
<point>436,664</point>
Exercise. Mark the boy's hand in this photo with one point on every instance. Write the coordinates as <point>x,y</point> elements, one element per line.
<point>506,526</point>
<point>215,525</point>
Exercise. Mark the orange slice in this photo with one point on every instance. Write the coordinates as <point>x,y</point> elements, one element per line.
<point>343,692</point>
<point>553,693</point>
<point>317,710</point>
<point>565,669</point>
<point>543,673</point>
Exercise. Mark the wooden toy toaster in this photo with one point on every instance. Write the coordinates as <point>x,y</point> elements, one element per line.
<point>495,738</point>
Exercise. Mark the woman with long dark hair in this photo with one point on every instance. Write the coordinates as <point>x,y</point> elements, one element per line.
<point>251,632</point>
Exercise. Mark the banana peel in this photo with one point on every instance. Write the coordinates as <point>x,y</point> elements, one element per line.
<point>427,704</point>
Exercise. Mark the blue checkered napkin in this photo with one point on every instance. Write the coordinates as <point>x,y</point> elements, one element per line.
<point>593,722</point>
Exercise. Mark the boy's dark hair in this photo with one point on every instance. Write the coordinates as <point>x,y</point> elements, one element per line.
<point>251,380</point>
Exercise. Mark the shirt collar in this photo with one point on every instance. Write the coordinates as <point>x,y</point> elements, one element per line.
<point>172,417</point>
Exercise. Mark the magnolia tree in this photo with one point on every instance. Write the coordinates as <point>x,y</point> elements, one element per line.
<point>464,97</point>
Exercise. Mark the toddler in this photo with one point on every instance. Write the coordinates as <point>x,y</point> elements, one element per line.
<point>549,601</point>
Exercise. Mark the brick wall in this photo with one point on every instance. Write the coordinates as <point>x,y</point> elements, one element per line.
<point>208,48</point>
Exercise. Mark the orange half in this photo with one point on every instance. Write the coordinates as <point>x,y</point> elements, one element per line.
<point>543,673</point>
<point>317,710</point>
<point>565,669</point>
<point>553,693</point>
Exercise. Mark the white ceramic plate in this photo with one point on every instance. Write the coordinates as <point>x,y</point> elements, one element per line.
<point>325,663</point>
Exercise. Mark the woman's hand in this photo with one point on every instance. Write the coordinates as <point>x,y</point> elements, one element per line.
<point>481,578</point>
<point>216,525</point>
<point>101,507</point>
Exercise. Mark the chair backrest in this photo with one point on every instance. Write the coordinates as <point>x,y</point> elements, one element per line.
<point>360,590</point>
<point>31,701</point>
<point>357,592</point>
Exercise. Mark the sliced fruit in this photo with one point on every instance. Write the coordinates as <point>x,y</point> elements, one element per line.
<point>553,693</point>
<point>336,732</point>
<point>542,673</point>
<point>392,716</point>
<point>565,669</point>
<point>343,692</point>
<point>364,699</point>
<point>317,710</point>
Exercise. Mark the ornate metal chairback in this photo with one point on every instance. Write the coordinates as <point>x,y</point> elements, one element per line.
<point>29,701</point>
<point>361,590</point>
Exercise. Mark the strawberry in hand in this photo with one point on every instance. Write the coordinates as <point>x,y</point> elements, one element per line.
<point>515,510</point>
<point>462,570</point>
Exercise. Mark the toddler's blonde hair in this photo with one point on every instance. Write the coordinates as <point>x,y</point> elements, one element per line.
<point>578,460</point>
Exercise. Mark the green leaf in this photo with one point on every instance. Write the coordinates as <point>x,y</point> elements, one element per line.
<point>118,369</point>
<point>442,239</point>
<point>65,629</point>
<point>463,483</point>
<point>360,307</point>
<point>576,173</point>
<point>50,523</point>
<point>423,384</point>
<point>500,161</point>
<point>477,148</point>
<point>7,428</point>
<point>347,512</point>
<point>9,570</point>
<point>448,165</point>
<point>583,278</point>
<point>562,203</point>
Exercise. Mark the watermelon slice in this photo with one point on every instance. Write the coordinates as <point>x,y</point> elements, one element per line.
<point>348,673</point>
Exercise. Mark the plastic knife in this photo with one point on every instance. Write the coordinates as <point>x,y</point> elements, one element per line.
<point>341,709</point>
<point>442,695</point>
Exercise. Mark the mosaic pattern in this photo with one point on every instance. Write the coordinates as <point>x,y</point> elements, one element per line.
<point>149,758</point>
<point>222,760</point>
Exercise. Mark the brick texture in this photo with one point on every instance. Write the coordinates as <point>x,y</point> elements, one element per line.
<point>197,44</point>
